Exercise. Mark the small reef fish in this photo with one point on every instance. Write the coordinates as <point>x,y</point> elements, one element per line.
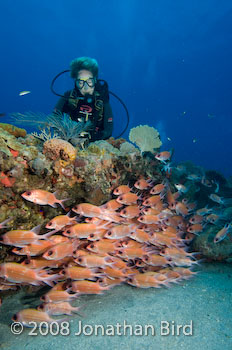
<point>61,250</point>
<point>43,197</point>
<point>121,190</point>
<point>181,188</point>
<point>33,249</point>
<point>196,228</point>
<point>142,184</point>
<point>60,221</point>
<point>20,238</point>
<point>15,272</point>
<point>88,210</point>
<point>61,308</point>
<point>57,296</point>
<point>120,231</point>
<point>80,273</point>
<point>163,156</point>
<point>196,219</point>
<point>111,205</point>
<point>127,198</point>
<point>94,261</point>
<point>215,198</point>
<point>157,189</point>
<point>27,316</point>
<point>222,233</point>
<point>82,230</point>
<point>103,246</point>
<point>88,287</point>
<point>194,177</point>
<point>212,218</point>
<point>25,92</point>
<point>130,212</point>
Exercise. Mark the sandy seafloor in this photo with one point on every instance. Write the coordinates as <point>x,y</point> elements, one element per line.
<point>206,299</point>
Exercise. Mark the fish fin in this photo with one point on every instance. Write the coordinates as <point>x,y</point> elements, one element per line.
<point>48,234</point>
<point>36,229</point>
<point>61,202</point>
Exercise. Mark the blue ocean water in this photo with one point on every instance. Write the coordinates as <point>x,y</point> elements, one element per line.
<point>169,61</point>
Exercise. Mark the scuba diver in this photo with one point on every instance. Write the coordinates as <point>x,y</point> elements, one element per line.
<point>88,100</point>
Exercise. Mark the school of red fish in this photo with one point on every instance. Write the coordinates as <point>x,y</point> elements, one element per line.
<point>140,238</point>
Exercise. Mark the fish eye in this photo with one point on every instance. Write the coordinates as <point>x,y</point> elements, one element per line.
<point>91,245</point>
<point>27,261</point>
<point>80,259</point>
<point>50,252</point>
<point>116,190</point>
<point>120,198</point>
<point>120,252</point>
<point>109,233</point>
<point>141,218</point>
<point>43,298</point>
<point>41,307</point>
<point>124,211</point>
<point>129,280</point>
<point>15,317</point>
<point>91,235</point>
<point>68,231</point>
<point>49,224</point>
<point>62,272</point>
<point>28,193</point>
<point>146,258</point>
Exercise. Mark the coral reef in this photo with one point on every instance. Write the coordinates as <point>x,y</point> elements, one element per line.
<point>145,137</point>
<point>13,130</point>
<point>90,175</point>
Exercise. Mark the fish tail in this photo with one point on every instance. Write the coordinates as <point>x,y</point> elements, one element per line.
<point>50,279</point>
<point>62,201</point>
<point>77,310</point>
<point>3,224</point>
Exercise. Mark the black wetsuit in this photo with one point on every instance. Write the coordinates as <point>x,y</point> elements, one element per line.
<point>95,108</point>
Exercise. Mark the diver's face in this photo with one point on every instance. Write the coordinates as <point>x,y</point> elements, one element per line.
<point>85,82</point>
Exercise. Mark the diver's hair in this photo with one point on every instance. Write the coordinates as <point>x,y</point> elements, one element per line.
<point>83,63</point>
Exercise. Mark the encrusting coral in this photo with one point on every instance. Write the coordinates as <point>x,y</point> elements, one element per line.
<point>145,137</point>
<point>13,130</point>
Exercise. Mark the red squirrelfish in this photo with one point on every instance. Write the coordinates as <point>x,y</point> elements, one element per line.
<point>20,238</point>
<point>222,233</point>
<point>29,316</point>
<point>43,197</point>
<point>163,156</point>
